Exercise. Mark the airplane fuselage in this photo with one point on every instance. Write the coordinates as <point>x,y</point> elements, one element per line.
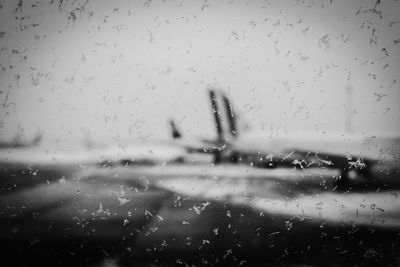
<point>302,150</point>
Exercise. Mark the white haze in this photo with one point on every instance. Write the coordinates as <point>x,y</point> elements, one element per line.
<point>122,68</point>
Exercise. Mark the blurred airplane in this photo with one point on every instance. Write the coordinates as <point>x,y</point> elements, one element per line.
<point>105,154</point>
<point>354,155</point>
<point>17,142</point>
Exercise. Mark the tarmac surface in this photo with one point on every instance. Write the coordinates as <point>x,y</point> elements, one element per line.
<point>185,215</point>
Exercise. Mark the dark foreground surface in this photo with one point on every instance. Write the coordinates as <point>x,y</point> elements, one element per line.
<point>192,215</point>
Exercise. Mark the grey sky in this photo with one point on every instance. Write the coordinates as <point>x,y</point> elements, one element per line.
<point>119,69</point>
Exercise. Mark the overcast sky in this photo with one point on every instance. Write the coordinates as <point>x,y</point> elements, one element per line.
<point>120,69</point>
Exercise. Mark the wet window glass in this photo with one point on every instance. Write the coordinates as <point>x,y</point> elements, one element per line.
<point>195,133</point>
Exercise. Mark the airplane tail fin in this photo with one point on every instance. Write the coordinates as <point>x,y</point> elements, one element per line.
<point>231,116</point>
<point>37,139</point>
<point>217,151</point>
<point>226,120</point>
<point>227,123</point>
<point>175,133</point>
<point>215,110</point>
